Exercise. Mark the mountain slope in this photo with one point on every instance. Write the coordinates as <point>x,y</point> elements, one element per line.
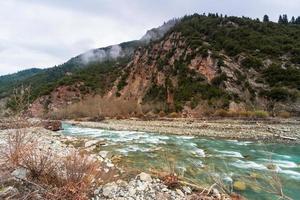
<point>201,65</point>
<point>7,82</point>
<point>44,81</point>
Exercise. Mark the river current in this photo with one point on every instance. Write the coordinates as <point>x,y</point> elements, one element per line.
<point>205,160</point>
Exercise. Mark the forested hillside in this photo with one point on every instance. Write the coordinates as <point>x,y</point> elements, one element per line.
<point>201,66</point>
<point>8,82</point>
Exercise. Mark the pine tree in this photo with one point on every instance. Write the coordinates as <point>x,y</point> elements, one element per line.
<point>266,18</point>
<point>280,20</point>
<point>293,20</point>
<point>285,19</point>
<point>297,21</point>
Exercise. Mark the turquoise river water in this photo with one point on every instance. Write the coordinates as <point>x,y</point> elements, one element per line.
<point>204,160</point>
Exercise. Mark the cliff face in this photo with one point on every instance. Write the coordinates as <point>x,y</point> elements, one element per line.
<point>195,69</point>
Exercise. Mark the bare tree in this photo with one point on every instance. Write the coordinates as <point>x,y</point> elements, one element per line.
<point>20,99</point>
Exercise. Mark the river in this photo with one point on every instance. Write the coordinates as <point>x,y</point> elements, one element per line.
<point>204,160</point>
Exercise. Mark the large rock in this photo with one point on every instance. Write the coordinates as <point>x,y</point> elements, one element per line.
<point>145,177</point>
<point>53,125</point>
<point>110,190</point>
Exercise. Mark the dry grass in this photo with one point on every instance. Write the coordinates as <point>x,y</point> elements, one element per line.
<point>284,114</point>
<point>81,168</point>
<point>77,177</point>
<point>18,145</point>
<point>257,114</point>
<point>94,107</point>
<point>52,176</point>
<point>42,165</point>
<point>174,115</point>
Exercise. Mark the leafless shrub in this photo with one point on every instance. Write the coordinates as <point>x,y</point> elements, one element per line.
<point>94,107</point>
<point>42,165</point>
<point>18,145</point>
<point>81,168</point>
<point>20,99</point>
<point>78,177</point>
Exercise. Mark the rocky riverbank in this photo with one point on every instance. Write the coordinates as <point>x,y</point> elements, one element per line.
<point>18,181</point>
<point>287,131</point>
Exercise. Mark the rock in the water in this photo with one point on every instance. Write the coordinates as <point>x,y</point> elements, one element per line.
<point>239,185</point>
<point>145,177</point>
<point>53,125</point>
<point>20,173</point>
<point>272,166</point>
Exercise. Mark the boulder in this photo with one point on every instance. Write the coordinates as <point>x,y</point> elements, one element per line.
<point>53,125</point>
<point>145,177</point>
<point>110,190</point>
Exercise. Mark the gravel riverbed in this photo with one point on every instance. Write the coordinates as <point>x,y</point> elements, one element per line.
<point>287,131</point>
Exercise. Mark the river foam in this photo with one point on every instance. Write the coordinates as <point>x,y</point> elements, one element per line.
<point>248,165</point>
<point>234,154</point>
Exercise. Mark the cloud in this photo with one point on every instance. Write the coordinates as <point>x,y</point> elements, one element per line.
<point>112,52</point>
<point>37,33</point>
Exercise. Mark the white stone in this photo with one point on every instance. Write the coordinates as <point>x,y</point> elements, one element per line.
<point>110,165</point>
<point>180,192</point>
<point>131,191</point>
<point>145,177</point>
<point>90,143</point>
<point>103,154</point>
<point>187,190</point>
<point>20,173</point>
<point>110,189</point>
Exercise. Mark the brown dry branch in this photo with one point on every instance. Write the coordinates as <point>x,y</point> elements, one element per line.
<point>42,165</point>
<point>81,168</point>
<point>74,176</point>
<point>18,145</point>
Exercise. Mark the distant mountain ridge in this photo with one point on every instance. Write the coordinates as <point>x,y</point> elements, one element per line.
<point>38,79</point>
<point>7,82</point>
<point>196,66</point>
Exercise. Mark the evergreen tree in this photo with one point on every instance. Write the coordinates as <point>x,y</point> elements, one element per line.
<point>285,19</point>
<point>297,21</point>
<point>280,20</point>
<point>266,18</point>
<point>293,20</point>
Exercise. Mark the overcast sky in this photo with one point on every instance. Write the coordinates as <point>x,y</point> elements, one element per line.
<point>44,33</point>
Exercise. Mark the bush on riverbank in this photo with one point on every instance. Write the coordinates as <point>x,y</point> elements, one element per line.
<point>244,114</point>
<point>46,173</point>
